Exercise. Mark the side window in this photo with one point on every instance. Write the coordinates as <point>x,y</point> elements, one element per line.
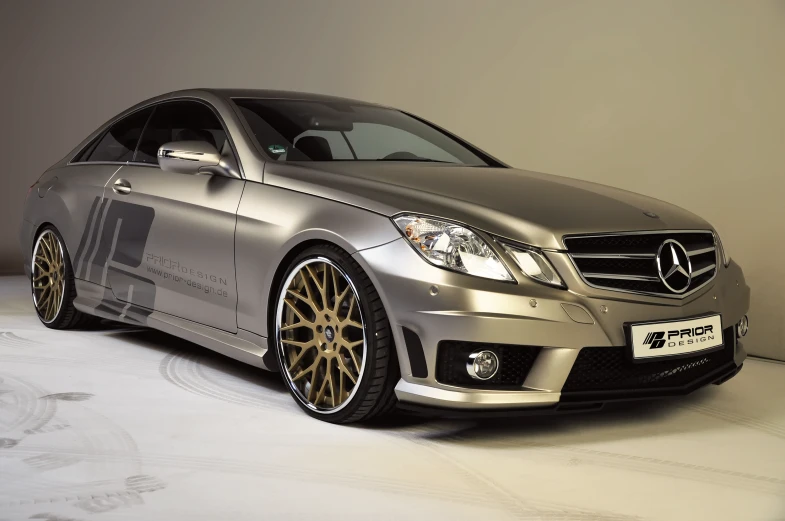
<point>179,121</point>
<point>86,151</point>
<point>119,143</point>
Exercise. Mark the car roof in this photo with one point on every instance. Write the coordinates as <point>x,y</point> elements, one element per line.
<point>275,94</point>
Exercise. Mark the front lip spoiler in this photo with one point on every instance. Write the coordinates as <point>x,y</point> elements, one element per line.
<point>718,376</point>
<point>443,412</point>
<point>576,402</point>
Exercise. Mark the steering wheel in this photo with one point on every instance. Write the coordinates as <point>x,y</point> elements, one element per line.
<point>401,156</point>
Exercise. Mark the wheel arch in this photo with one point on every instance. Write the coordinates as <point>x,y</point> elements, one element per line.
<point>40,228</point>
<point>278,274</point>
<point>274,225</point>
<point>295,248</point>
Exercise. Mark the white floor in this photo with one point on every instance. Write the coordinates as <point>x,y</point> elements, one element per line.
<point>135,424</point>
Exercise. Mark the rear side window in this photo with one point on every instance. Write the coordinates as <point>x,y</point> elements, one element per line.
<point>119,143</point>
<point>86,151</point>
<point>180,121</point>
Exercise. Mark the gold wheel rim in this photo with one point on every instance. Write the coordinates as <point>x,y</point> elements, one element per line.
<point>48,276</point>
<point>321,335</point>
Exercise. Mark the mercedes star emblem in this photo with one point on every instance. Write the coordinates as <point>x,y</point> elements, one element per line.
<point>673,266</point>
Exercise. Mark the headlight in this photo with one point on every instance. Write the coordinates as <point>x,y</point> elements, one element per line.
<point>534,265</point>
<point>725,256</point>
<point>452,246</point>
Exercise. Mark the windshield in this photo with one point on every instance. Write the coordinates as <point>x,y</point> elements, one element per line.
<point>298,130</point>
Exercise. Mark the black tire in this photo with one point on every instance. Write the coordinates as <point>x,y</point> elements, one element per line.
<point>67,317</point>
<point>375,390</point>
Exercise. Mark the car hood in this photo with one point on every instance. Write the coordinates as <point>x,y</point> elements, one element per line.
<point>530,207</point>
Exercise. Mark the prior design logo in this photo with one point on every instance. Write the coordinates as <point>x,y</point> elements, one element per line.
<point>172,269</point>
<point>679,337</point>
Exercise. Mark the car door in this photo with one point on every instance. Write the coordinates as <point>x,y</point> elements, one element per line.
<point>87,175</point>
<point>170,236</point>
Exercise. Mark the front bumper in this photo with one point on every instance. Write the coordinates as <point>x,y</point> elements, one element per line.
<point>439,305</point>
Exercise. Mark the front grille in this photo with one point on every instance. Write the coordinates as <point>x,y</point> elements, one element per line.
<point>514,364</point>
<point>612,369</point>
<point>628,261</point>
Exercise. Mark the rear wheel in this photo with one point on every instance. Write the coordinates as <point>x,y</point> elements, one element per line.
<point>52,280</point>
<point>333,338</point>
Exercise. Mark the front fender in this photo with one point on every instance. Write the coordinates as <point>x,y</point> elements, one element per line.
<point>273,222</point>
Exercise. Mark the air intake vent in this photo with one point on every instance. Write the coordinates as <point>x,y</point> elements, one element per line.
<point>611,370</point>
<point>666,264</point>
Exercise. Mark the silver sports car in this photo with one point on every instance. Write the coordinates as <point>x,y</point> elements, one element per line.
<point>375,259</point>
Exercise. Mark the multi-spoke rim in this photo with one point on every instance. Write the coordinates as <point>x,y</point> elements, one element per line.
<point>321,335</point>
<point>48,276</point>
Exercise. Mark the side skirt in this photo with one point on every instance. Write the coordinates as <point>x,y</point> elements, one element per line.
<point>244,346</point>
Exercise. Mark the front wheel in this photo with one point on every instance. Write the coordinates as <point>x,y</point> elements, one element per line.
<point>333,338</point>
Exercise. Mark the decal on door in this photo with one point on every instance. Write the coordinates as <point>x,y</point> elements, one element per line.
<point>116,233</point>
<point>115,237</point>
<point>167,268</point>
<point>113,242</point>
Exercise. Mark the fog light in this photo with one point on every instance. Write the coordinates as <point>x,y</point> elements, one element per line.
<point>743,326</point>
<point>482,365</point>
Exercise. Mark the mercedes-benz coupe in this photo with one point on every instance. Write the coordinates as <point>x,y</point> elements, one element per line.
<point>375,259</point>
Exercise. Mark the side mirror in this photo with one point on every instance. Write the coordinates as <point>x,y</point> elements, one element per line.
<point>191,157</point>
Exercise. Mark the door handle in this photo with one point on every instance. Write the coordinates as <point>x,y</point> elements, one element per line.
<point>121,186</point>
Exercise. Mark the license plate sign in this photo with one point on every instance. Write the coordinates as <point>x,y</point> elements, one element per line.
<point>674,338</point>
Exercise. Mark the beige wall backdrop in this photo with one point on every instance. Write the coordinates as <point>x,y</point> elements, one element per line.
<point>681,100</point>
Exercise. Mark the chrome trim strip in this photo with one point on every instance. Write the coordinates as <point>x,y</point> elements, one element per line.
<point>704,270</point>
<point>83,163</point>
<point>644,232</point>
<point>615,276</point>
<point>699,252</point>
<point>644,293</point>
<point>614,256</point>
